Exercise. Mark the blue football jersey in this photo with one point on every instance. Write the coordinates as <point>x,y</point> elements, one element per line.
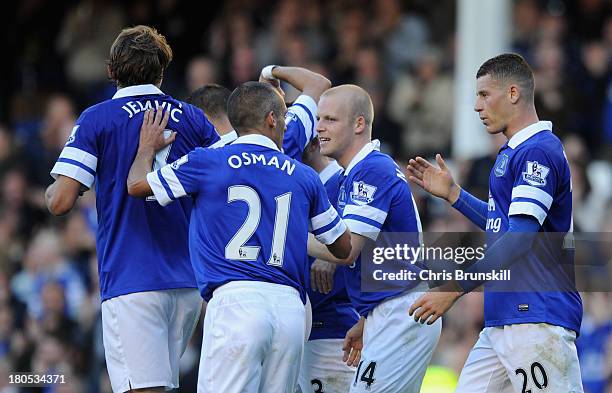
<point>141,246</point>
<point>300,128</point>
<point>332,314</point>
<point>375,199</point>
<point>253,208</point>
<point>531,176</point>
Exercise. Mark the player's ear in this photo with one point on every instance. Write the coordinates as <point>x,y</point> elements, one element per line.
<point>271,120</point>
<point>360,125</point>
<point>514,93</point>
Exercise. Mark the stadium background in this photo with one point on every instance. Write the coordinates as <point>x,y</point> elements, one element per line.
<point>403,53</point>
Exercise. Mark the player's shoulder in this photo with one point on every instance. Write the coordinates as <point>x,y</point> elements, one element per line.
<point>544,144</point>
<point>375,165</point>
<point>97,111</point>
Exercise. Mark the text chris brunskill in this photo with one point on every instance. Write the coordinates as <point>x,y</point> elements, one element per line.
<point>429,275</point>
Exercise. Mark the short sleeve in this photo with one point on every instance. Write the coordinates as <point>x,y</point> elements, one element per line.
<point>79,157</point>
<point>325,223</point>
<point>300,121</point>
<point>369,201</point>
<point>535,182</point>
<point>178,179</point>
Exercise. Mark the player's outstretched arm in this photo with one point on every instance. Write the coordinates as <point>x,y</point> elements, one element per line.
<point>439,182</point>
<point>436,181</point>
<point>61,196</point>
<point>318,250</point>
<point>151,140</point>
<point>308,82</point>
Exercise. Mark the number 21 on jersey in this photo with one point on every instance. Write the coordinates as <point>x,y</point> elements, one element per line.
<point>236,248</point>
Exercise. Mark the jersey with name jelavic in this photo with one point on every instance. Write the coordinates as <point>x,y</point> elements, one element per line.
<point>375,199</point>
<point>531,176</point>
<point>253,209</point>
<point>141,246</point>
<point>332,314</point>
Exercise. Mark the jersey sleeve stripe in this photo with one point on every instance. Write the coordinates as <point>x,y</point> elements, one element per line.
<point>365,220</point>
<point>362,228</point>
<point>308,103</point>
<point>309,130</point>
<point>331,235</point>
<point>366,211</point>
<point>528,208</point>
<point>158,188</point>
<point>74,172</point>
<point>324,218</point>
<point>530,192</point>
<point>77,163</point>
<point>76,154</point>
<point>327,227</point>
<point>173,182</point>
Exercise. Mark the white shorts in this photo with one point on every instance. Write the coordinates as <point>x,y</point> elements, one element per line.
<point>521,358</point>
<point>396,349</point>
<point>145,334</point>
<point>253,339</point>
<point>323,369</point>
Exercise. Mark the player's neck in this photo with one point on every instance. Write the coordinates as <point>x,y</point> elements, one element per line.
<point>524,120</point>
<point>319,163</point>
<point>222,126</point>
<point>351,152</point>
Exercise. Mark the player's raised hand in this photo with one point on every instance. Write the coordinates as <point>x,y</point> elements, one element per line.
<point>322,276</point>
<point>437,181</point>
<point>152,130</point>
<point>353,344</point>
<point>435,302</point>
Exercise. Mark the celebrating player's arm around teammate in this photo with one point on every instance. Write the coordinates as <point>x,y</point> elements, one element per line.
<point>374,199</point>
<point>530,329</point>
<point>248,240</point>
<point>150,304</point>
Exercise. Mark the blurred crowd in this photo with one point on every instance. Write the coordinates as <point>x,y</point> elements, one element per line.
<point>402,53</point>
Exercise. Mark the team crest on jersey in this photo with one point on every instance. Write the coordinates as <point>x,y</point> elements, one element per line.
<point>501,165</point>
<point>176,164</point>
<point>362,193</point>
<point>536,174</point>
<point>72,136</point>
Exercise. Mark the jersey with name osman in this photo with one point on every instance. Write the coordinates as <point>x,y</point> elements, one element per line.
<point>531,177</point>
<point>300,121</point>
<point>253,209</point>
<point>375,199</point>
<point>333,314</point>
<point>141,246</point>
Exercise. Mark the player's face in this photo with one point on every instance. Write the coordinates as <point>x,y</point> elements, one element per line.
<point>492,104</point>
<point>333,126</point>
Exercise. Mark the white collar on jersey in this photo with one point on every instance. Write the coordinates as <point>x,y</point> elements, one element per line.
<point>528,132</point>
<point>367,149</point>
<point>229,137</point>
<point>137,90</point>
<point>329,171</point>
<point>256,139</point>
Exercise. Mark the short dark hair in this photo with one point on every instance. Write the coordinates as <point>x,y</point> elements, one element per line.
<point>250,103</point>
<point>509,67</point>
<point>212,99</point>
<point>139,56</point>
